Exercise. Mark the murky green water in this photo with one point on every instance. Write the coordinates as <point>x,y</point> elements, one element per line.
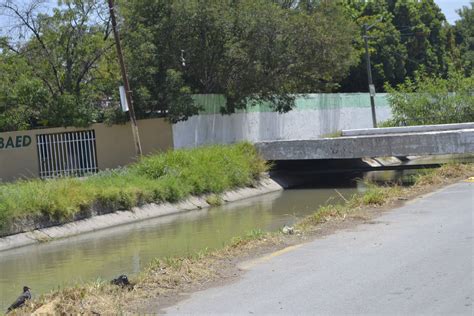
<point>127,249</point>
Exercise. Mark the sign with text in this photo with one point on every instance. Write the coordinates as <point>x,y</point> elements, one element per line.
<point>13,142</point>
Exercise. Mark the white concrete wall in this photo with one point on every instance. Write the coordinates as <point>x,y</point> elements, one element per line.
<point>263,126</point>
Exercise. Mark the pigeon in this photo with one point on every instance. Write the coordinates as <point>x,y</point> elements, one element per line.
<point>20,301</point>
<point>122,281</point>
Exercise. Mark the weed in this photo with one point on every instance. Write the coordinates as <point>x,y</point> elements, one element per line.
<point>214,200</point>
<point>375,195</point>
<point>332,135</point>
<point>166,177</point>
<point>254,234</point>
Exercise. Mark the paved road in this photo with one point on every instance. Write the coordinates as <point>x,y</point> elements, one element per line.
<point>417,259</point>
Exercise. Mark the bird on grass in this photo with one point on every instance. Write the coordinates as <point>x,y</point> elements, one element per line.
<point>122,281</point>
<point>20,301</point>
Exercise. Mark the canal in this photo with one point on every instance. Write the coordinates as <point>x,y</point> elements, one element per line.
<point>129,248</point>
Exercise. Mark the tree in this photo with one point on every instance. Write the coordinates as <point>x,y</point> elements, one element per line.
<point>21,94</point>
<point>250,51</point>
<point>388,54</point>
<point>411,35</point>
<point>424,27</point>
<point>63,51</point>
<point>464,32</point>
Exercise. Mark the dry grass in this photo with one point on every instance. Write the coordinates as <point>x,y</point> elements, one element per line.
<point>375,196</point>
<point>173,275</point>
<point>383,196</point>
<point>445,173</point>
<point>162,277</point>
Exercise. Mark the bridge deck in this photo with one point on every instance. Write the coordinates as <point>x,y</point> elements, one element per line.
<point>352,147</point>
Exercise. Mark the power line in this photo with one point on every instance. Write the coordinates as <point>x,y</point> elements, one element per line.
<point>414,61</point>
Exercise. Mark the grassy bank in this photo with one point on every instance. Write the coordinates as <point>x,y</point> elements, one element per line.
<point>166,277</point>
<point>167,177</point>
<point>389,195</point>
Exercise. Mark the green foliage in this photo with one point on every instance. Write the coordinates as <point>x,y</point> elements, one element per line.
<point>214,200</point>
<point>374,195</point>
<point>464,30</point>
<point>60,68</point>
<point>406,36</point>
<point>21,95</point>
<point>59,74</point>
<point>171,176</point>
<point>388,54</point>
<point>221,170</point>
<point>177,94</point>
<point>251,51</point>
<point>248,50</point>
<point>433,100</point>
<point>254,234</point>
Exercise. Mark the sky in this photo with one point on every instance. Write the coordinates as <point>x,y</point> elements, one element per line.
<point>448,7</point>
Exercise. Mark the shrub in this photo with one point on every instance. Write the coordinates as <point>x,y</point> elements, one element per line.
<point>432,100</point>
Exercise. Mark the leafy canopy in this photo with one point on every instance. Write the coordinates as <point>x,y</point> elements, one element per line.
<point>464,30</point>
<point>63,74</point>
<point>249,50</point>
<point>406,37</point>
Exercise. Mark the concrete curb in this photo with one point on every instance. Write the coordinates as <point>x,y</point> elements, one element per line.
<point>118,218</point>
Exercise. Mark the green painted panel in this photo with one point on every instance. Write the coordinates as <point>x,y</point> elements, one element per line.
<point>212,103</point>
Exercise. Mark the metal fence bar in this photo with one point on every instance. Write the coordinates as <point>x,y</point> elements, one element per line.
<point>89,151</point>
<point>66,153</point>
<point>74,148</point>
<point>40,157</point>
<point>57,148</point>
<point>48,151</point>
<point>80,144</point>
<point>94,156</point>
<point>45,157</point>
<point>69,154</point>
<point>55,156</point>
<point>61,151</point>
<point>39,140</point>
<point>81,154</point>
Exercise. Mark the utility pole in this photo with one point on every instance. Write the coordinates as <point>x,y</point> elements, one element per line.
<point>369,74</point>
<point>131,112</point>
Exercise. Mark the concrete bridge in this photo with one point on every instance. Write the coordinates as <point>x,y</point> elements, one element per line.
<point>381,142</point>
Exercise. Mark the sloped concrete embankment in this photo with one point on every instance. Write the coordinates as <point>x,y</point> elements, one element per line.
<point>117,218</point>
